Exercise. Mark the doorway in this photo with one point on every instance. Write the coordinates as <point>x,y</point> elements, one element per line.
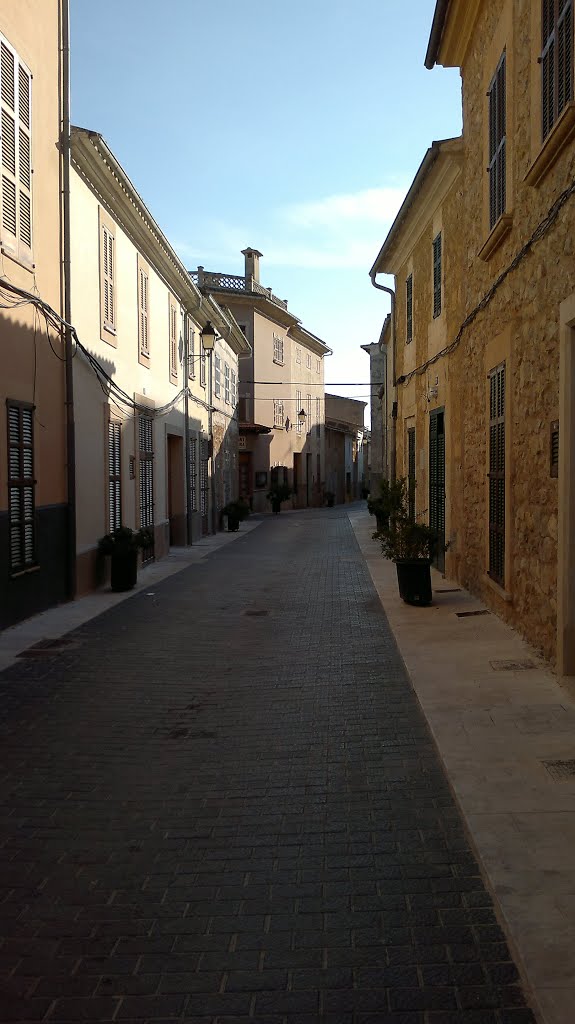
<point>437,483</point>
<point>245,477</point>
<point>176,490</point>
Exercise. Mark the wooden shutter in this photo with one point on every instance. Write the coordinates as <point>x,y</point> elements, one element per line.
<point>108,258</point>
<point>317,418</point>
<point>497,474</point>
<point>21,486</point>
<point>227,383</point>
<point>203,367</point>
<point>217,376</point>
<point>497,143</point>
<point>194,474</point>
<point>204,482</point>
<point>556,60</point>
<point>437,482</point>
<point>191,348</point>
<point>146,443</point>
<point>173,342</point>
<point>298,410</point>
<point>437,275</point>
<point>409,307</point>
<point>114,476</point>
<point>411,472</point>
<point>16,108</point>
<point>143,309</point>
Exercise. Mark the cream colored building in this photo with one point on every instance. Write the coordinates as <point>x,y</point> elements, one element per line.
<point>345,448</point>
<point>283,374</point>
<point>142,379</point>
<point>36,518</point>
<point>482,252</point>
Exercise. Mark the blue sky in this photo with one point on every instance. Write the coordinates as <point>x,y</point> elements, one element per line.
<point>295,128</point>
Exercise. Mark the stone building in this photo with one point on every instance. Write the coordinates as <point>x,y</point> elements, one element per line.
<point>482,253</point>
<point>282,375</point>
<point>379,411</point>
<point>346,447</point>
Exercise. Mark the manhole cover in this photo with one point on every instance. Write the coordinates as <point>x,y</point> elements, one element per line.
<point>255,612</point>
<point>512,666</point>
<point>467,615</point>
<point>50,645</point>
<point>560,771</point>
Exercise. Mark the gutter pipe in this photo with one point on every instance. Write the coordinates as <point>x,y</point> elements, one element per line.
<point>391,293</point>
<point>66,278</point>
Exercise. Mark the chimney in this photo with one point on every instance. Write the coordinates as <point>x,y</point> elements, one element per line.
<point>252,262</point>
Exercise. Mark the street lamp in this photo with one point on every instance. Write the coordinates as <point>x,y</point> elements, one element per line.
<point>301,416</point>
<point>208,336</point>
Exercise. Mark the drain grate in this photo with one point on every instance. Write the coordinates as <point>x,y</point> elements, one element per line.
<point>50,645</point>
<point>467,615</point>
<point>512,666</point>
<point>560,771</point>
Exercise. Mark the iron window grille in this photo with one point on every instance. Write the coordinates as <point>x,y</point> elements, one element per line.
<point>21,486</point>
<point>194,474</point>
<point>497,474</point>
<point>437,275</point>
<point>497,144</point>
<point>556,60</point>
<point>146,453</point>
<point>114,476</point>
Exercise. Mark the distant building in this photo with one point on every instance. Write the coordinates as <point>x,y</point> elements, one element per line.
<point>345,447</point>
<point>282,377</point>
<point>379,411</point>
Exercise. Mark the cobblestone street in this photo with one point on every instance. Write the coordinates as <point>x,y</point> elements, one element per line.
<point>221,802</point>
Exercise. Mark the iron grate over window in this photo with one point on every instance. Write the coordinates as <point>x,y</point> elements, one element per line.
<point>21,486</point>
<point>497,474</point>
<point>437,275</point>
<point>497,144</point>
<point>556,60</point>
<point>146,443</point>
<point>114,475</point>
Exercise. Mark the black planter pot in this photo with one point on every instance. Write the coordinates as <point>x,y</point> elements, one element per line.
<point>124,570</point>
<point>233,524</point>
<point>414,580</point>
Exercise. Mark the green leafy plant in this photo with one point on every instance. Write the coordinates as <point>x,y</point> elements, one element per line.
<point>279,492</point>
<point>388,502</point>
<point>124,540</point>
<point>238,509</point>
<point>405,537</point>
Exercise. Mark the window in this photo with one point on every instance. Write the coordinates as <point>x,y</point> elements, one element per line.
<point>298,410</point>
<point>21,486</point>
<point>234,389</point>
<point>298,355</point>
<point>278,412</point>
<point>203,367</point>
<point>278,349</point>
<point>16,106</point>
<point>411,473</point>
<point>409,308</point>
<point>226,383</point>
<point>318,366</point>
<point>308,417</point>
<point>143,312</point>
<point>173,342</point>
<point>317,418</point>
<point>556,60</point>
<point>437,275</point>
<point>194,474</point>
<point>217,376</point>
<point>146,443</point>
<point>114,475</point>
<point>308,360</point>
<point>191,336</point>
<point>107,277</point>
<point>497,143</point>
<point>497,474</point>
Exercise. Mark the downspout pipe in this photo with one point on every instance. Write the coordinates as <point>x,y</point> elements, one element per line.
<point>188,475</point>
<point>66,282</point>
<point>391,293</point>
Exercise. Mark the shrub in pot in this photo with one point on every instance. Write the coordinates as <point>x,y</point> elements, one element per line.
<point>387,502</point>
<point>122,545</point>
<point>329,498</point>
<point>410,544</point>
<point>236,511</point>
<point>278,494</point>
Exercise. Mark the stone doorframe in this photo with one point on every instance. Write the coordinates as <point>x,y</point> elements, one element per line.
<point>566,498</point>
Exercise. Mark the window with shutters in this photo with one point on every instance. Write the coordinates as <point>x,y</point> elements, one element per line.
<point>203,367</point>
<point>308,414</point>
<point>497,143</point>
<point>217,376</point>
<point>191,346</point>
<point>278,349</point>
<point>143,312</point>
<point>114,475</point>
<point>298,406</point>
<point>16,139</point>
<point>437,275</point>
<point>411,473</point>
<point>107,278</point>
<point>226,383</point>
<point>194,474</point>
<point>556,60</point>
<point>234,389</point>
<point>173,342</point>
<point>278,412</point>
<point>317,418</point>
<point>204,482</point>
<point>146,453</point>
<point>318,366</point>
<point>496,476</point>
<point>298,355</point>
<point>409,308</point>
<point>308,360</point>
<point>21,486</point>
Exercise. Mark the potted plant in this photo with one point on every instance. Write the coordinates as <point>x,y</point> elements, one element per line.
<point>387,502</point>
<point>236,511</point>
<point>410,544</point>
<point>329,498</point>
<point>123,545</point>
<point>277,494</point>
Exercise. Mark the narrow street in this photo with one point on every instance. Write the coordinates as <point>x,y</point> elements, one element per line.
<point>221,801</point>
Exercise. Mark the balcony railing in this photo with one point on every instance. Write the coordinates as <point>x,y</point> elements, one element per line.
<point>233,283</point>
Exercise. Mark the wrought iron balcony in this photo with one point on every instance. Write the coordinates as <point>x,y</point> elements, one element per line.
<point>233,283</point>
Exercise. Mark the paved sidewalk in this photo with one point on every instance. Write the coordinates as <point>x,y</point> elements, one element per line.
<point>222,803</point>
<point>497,725</point>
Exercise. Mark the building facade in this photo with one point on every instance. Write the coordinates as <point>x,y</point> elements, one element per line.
<point>482,250</point>
<point>346,448</point>
<point>156,423</point>
<point>379,411</point>
<point>36,518</point>
<point>281,376</point>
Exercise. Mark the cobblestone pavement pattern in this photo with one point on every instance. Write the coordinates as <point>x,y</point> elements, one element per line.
<point>221,802</point>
